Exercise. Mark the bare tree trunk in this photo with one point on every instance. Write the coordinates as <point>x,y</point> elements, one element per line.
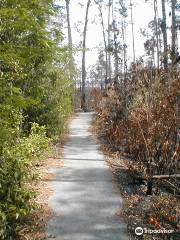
<point>132,29</point>
<point>109,53</point>
<point>153,52</point>
<point>164,31</point>
<point>83,93</point>
<point>105,44</point>
<point>156,32</point>
<point>71,61</point>
<point>173,31</point>
<point>124,51</point>
<point>116,62</point>
<point>69,37</point>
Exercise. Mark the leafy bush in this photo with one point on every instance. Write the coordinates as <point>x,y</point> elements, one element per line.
<point>34,88</point>
<point>16,174</point>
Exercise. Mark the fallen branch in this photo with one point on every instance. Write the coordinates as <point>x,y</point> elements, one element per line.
<point>171,185</point>
<point>160,176</point>
<point>166,176</point>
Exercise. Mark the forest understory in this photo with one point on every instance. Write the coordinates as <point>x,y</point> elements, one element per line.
<point>140,140</point>
<point>155,212</point>
<point>34,225</point>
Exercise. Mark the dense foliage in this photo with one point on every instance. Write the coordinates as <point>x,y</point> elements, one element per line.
<point>35,99</point>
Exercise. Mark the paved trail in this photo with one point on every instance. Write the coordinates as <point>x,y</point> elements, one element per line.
<point>85,200</point>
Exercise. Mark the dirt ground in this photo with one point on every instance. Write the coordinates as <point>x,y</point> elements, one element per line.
<point>158,211</point>
<point>34,227</point>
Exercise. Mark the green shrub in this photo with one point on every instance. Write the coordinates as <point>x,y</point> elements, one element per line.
<point>34,88</point>
<point>16,174</point>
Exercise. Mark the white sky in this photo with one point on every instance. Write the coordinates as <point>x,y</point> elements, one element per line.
<point>142,14</point>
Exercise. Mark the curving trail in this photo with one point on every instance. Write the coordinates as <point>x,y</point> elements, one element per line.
<point>85,200</point>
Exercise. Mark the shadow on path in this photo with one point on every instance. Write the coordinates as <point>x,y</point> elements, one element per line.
<point>85,200</point>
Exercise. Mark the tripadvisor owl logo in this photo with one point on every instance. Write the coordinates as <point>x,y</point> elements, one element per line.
<point>139,231</point>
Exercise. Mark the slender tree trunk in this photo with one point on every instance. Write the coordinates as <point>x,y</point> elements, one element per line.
<point>173,31</point>
<point>164,31</point>
<point>105,44</point>
<point>156,31</point>
<point>71,61</point>
<point>109,53</point>
<point>132,30</point>
<point>153,53</point>
<point>124,51</point>
<point>83,93</point>
<point>69,38</point>
<point>116,61</point>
